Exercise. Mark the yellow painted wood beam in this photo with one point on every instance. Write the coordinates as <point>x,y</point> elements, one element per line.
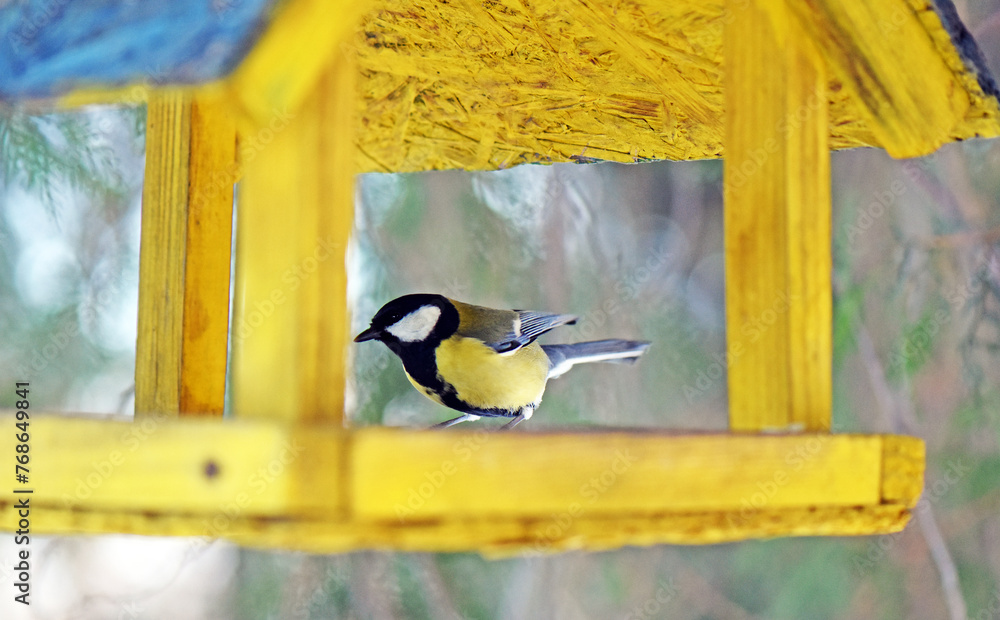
<point>777,228</point>
<point>501,536</point>
<point>296,204</point>
<point>284,65</point>
<point>209,256</point>
<point>161,255</point>
<point>809,236</point>
<point>185,256</point>
<point>161,464</point>
<point>420,476</point>
<point>323,488</point>
<point>886,55</point>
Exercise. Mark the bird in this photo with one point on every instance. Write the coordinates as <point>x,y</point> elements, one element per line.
<point>483,362</point>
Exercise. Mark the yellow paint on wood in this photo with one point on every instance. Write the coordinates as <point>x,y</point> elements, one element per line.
<point>184,256</point>
<point>400,476</point>
<point>883,54</point>
<point>496,537</point>
<point>981,118</point>
<point>324,489</point>
<point>902,470</point>
<point>284,65</point>
<point>136,93</point>
<point>777,229</point>
<point>488,85</point>
<point>809,238</point>
<point>161,255</point>
<point>209,241</point>
<point>163,465</point>
<point>296,203</point>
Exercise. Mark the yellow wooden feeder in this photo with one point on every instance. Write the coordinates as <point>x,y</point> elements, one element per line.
<point>335,88</point>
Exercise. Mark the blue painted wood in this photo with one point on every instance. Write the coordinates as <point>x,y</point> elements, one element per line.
<point>48,47</point>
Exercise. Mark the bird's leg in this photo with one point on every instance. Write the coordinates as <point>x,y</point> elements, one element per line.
<point>522,415</point>
<point>465,417</point>
<point>509,425</point>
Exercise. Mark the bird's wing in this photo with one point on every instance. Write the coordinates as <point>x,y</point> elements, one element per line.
<point>529,326</point>
<point>534,324</point>
<point>507,330</point>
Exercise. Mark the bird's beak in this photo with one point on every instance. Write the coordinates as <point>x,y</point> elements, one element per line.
<point>368,334</point>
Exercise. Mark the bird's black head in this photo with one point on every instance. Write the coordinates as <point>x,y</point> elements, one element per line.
<point>417,319</point>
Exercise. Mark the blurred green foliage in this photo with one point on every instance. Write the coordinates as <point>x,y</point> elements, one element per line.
<point>43,154</point>
<point>69,200</point>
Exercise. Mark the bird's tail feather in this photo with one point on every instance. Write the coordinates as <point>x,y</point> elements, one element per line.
<point>562,357</point>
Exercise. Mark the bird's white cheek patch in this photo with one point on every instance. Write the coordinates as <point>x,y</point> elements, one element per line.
<point>417,325</point>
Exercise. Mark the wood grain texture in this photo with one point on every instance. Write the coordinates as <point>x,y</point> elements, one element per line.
<point>777,229</point>
<point>208,257</point>
<point>809,237</point>
<point>163,242</point>
<point>499,537</point>
<point>488,85</point>
<point>419,476</point>
<point>162,464</point>
<point>325,489</point>
<point>295,212</point>
<point>185,256</point>
<point>894,70</point>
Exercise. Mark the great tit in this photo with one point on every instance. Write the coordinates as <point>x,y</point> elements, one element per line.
<point>480,361</point>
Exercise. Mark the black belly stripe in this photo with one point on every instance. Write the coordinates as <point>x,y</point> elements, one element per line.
<point>421,365</point>
<point>450,398</point>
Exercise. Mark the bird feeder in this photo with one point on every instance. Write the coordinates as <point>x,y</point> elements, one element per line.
<point>291,99</point>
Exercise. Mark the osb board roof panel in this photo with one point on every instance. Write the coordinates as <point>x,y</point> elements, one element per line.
<point>485,85</point>
<point>465,83</point>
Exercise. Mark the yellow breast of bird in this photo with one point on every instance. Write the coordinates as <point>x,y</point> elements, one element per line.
<point>485,379</point>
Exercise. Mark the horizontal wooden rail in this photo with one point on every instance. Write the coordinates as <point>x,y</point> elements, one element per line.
<point>496,537</point>
<point>322,488</point>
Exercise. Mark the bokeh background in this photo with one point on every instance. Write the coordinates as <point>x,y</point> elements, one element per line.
<point>635,251</point>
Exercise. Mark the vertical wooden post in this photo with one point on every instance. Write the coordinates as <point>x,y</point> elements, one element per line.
<point>810,240</point>
<point>777,224</point>
<point>209,256</point>
<point>185,256</point>
<point>296,205</point>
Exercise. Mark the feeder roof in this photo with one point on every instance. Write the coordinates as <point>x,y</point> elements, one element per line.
<point>485,85</point>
